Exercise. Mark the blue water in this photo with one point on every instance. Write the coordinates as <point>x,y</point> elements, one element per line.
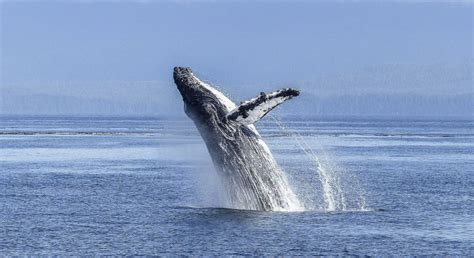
<point>143,186</point>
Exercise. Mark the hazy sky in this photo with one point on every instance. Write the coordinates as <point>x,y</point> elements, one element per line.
<point>326,47</point>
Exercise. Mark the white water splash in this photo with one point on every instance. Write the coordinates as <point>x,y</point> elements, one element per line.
<point>340,190</point>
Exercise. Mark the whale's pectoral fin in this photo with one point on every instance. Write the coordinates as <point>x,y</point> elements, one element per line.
<point>253,110</point>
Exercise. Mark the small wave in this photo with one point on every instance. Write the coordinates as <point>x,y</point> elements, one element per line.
<point>71,133</point>
<point>315,211</point>
<point>215,208</point>
<point>270,134</point>
<point>233,209</point>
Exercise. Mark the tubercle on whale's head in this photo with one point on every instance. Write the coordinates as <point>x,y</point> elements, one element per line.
<point>185,81</point>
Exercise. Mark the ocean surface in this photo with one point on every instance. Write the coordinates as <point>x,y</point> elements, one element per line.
<point>146,186</point>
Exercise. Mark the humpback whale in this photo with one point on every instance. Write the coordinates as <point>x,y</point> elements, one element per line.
<point>251,176</point>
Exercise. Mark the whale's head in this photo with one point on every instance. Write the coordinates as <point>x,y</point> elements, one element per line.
<point>202,103</point>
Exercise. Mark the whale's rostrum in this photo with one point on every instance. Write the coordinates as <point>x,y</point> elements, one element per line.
<point>252,178</point>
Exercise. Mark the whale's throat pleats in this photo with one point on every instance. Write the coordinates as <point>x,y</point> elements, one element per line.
<point>252,177</point>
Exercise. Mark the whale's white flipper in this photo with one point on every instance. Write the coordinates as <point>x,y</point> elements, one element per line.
<point>253,110</point>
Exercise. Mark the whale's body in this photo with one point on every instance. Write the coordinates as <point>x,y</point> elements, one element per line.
<point>252,178</point>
